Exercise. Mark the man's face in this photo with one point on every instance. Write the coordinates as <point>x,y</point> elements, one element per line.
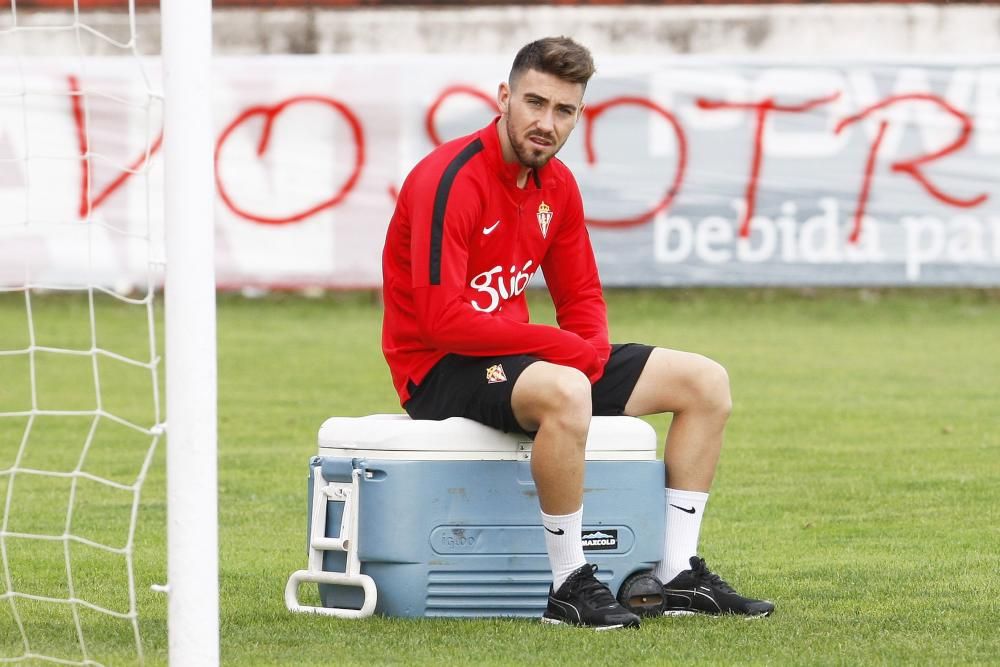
<point>540,111</point>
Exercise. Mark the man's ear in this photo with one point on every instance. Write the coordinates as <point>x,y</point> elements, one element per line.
<point>503,97</point>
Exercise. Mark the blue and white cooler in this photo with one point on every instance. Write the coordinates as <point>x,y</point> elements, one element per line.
<point>440,518</point>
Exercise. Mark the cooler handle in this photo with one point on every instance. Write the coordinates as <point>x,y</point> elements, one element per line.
<point>362,581</point>
<point>347,493</point>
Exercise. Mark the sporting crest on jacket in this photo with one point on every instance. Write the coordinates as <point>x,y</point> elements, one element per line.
<point>544,216</point>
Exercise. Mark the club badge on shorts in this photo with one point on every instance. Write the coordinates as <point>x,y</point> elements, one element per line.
<point>544,216</point>
<point>495,374</point>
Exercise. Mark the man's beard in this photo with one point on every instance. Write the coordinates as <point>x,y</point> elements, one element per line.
<point>524,156</point>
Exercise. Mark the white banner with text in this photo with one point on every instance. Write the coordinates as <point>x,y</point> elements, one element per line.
<point>694,171</point>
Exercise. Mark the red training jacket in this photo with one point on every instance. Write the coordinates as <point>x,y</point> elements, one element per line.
<point>462,244</point>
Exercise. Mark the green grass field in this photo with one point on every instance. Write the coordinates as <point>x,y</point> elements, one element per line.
<point>859,487</point>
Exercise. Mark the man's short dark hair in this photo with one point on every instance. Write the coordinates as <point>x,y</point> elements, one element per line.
<point>559,56</point>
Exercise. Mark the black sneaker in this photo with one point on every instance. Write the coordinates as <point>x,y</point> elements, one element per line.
<point>583,600</point>
<point>699,591</point>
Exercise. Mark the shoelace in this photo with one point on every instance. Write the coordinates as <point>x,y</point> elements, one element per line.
<point>586,583</point>
<point>701,572</point>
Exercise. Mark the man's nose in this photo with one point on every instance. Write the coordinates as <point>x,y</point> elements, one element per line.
<point>546,120</point>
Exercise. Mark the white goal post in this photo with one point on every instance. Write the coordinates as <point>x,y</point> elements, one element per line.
<point>85,229</point>
<point>189,191</point>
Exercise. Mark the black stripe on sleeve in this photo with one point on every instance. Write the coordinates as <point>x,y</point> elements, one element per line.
<point>441,204</point>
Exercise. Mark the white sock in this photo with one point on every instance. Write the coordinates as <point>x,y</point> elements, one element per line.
<point>563,544</point>
<point>683,525</point>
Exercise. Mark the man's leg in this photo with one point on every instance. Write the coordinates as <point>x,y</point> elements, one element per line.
<point>696,390</point>
<point>555,402</point>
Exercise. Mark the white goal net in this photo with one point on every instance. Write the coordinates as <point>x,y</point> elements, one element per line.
<point>81,409</point>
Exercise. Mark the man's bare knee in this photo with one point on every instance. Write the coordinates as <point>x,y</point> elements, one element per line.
<point>710,387</point>
<point>551,395</point>
<point>570,399</point>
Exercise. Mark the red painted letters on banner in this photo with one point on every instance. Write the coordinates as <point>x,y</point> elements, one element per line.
<point>913,166</point>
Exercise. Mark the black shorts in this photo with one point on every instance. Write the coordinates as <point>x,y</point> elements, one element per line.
<point>480,388</point>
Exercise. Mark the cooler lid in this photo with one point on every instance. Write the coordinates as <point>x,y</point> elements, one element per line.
<point>399,437</point>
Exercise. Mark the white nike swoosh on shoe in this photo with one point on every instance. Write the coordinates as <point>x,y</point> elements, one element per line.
<point>710,598</point>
